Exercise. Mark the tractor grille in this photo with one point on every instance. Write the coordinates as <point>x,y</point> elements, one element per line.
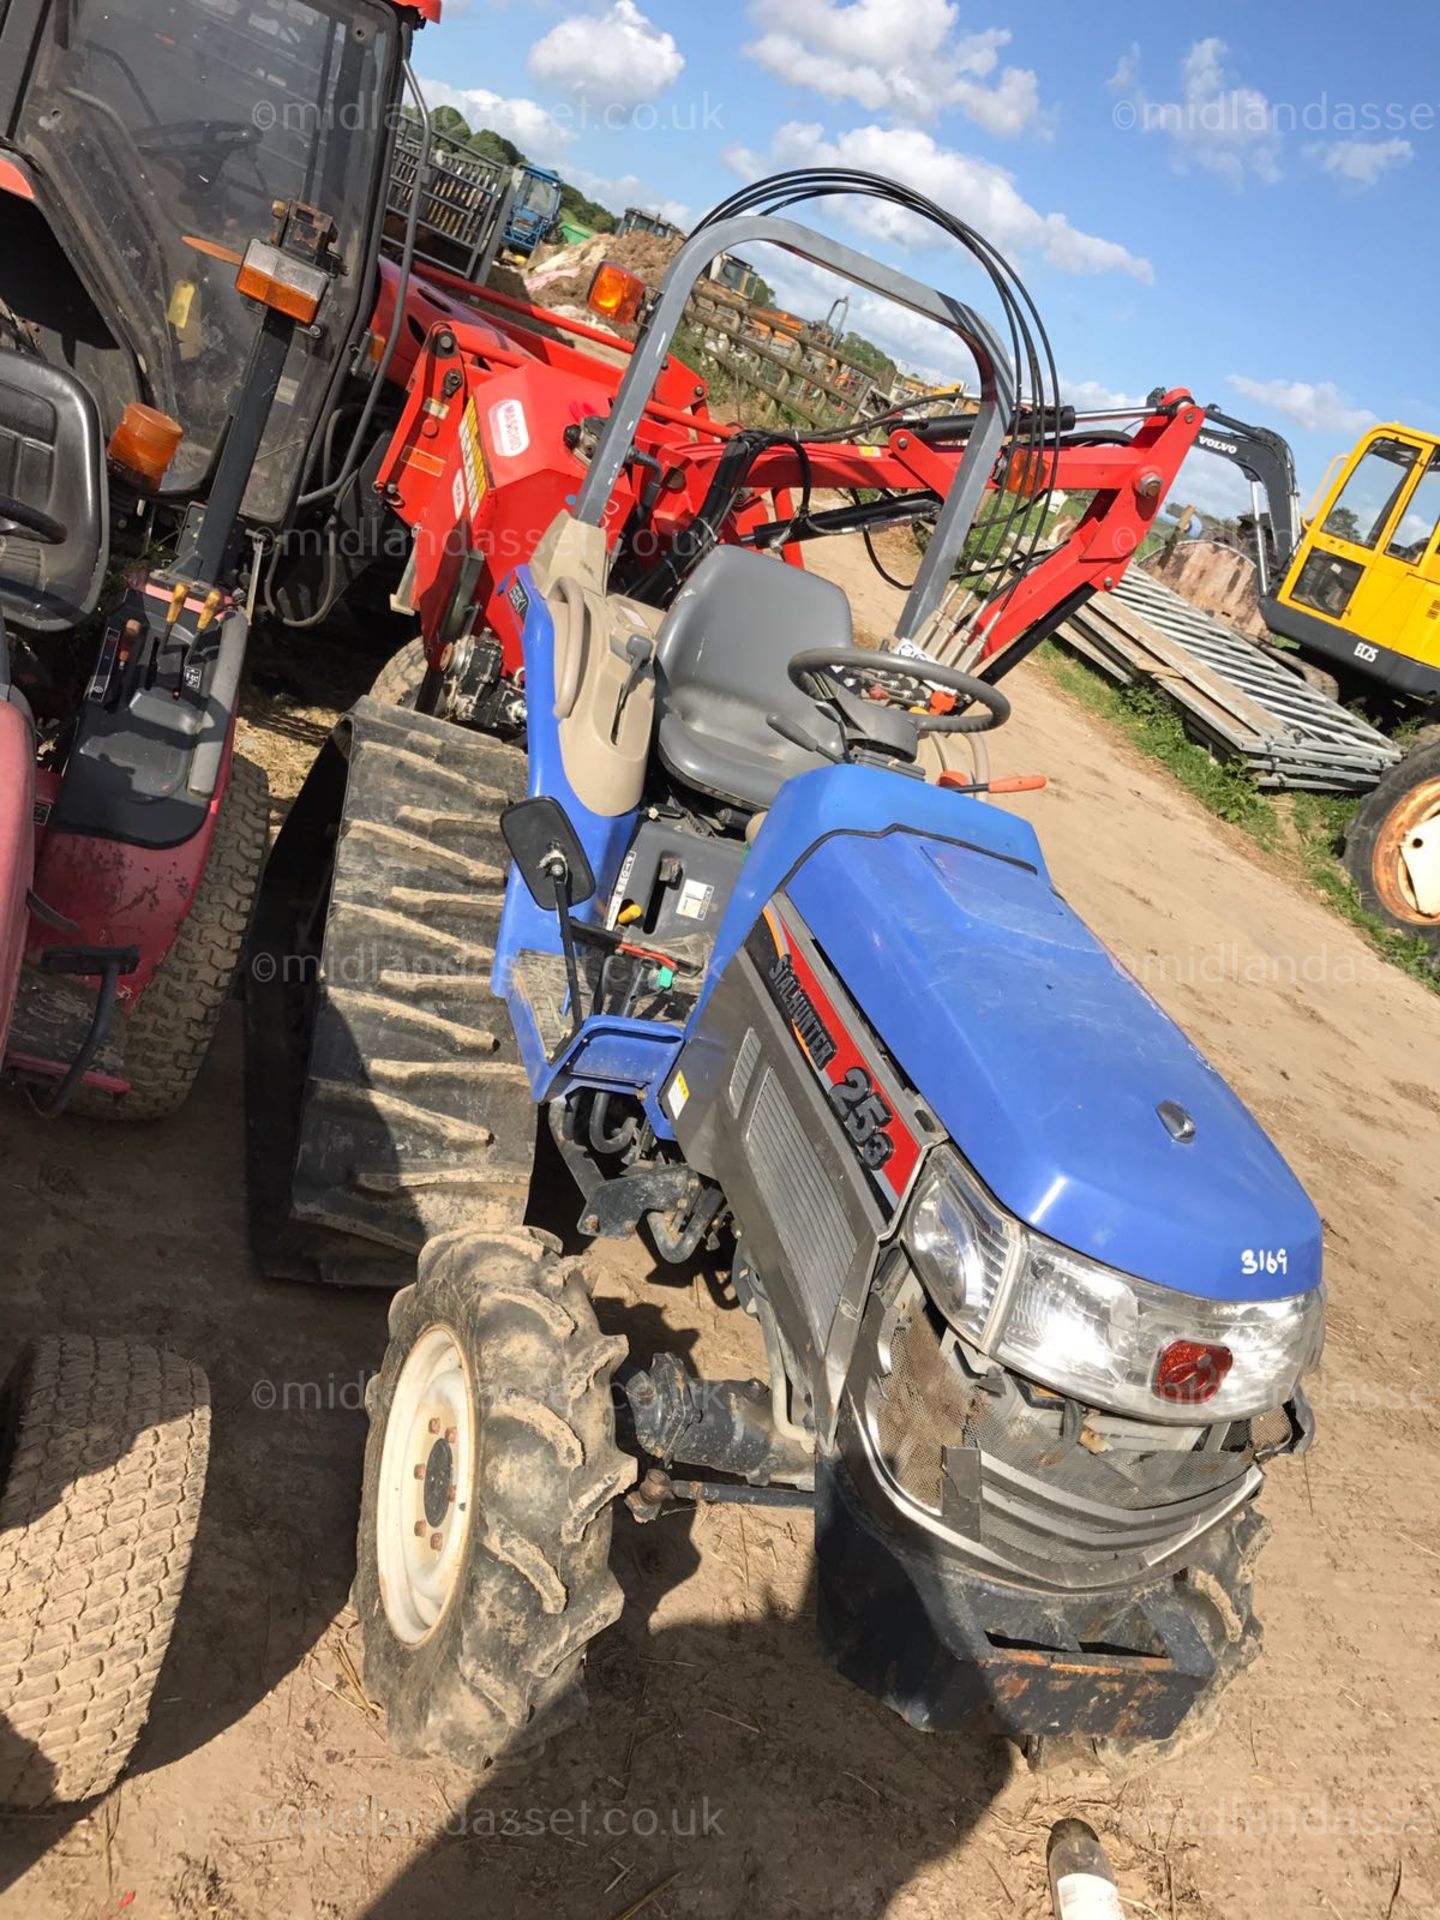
<point>809,1219</point>
<point>741,1074</point>
<point>923,1407</point>
<point>1042,1501</point>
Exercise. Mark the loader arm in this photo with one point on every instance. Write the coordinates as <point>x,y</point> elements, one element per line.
<point>491,446</point>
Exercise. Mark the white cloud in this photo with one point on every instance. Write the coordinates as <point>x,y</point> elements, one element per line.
<point>1127,69</point>
<point>532,127</point>
<point>903,57</point>
<point>1319,408</point>
<point>1217,125</point>
<point>614,59</point>
<point>1212,484</point>
<point>1091,396</point>
<point>982,194</point>
<point>1360,163</point>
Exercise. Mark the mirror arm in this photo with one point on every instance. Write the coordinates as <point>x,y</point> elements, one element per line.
<point>558,870</point>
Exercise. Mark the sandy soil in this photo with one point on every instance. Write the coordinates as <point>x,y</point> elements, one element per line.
<point>723,1771</point>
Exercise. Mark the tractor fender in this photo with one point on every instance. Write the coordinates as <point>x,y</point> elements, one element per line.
<point>17,850</point>
<point>116,894</point>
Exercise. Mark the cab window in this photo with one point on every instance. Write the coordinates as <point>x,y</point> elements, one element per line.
<point>1369,496</point>
<point>1418,522</point>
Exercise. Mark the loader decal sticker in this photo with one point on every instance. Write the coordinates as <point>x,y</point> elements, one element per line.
<point>880,1139</point>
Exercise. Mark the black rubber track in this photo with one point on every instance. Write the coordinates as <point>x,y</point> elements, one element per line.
<point>386,1099</point>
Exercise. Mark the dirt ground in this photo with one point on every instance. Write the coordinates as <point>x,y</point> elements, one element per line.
<point>723,1771</point>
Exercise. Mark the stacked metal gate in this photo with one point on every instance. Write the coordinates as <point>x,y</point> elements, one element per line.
<point>1235,698</point>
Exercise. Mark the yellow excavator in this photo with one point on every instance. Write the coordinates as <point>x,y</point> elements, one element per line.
<point>1353,586</point>
<point>1361,595</point>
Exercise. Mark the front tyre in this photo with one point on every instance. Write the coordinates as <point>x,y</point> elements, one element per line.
<point>483,1558</point>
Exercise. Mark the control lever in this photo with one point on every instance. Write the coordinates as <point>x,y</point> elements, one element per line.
<point>1008,783</point>
<point>639,650</point>
<point>801,737</point>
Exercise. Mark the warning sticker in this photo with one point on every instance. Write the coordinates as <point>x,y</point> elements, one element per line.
<point>694,901</point>
<point>471,457</point>
<point>677,1096</point>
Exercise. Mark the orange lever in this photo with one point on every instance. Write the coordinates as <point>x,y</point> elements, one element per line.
<point>1009,783</point>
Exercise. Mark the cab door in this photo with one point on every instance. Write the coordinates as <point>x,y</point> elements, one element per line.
<point>1369,562</point>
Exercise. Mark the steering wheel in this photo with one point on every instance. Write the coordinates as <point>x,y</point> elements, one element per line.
<point>207,140</point>
<point>875,666</point>
<point>21,522</point>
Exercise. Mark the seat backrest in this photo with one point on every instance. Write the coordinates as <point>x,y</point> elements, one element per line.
<point>52,457</point>
<point>721,659</point>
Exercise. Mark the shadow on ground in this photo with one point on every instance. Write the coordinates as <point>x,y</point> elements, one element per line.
<point>140,1230</point>
<point>723,1769</point>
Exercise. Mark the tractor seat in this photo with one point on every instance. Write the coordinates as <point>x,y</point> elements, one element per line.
<point>721,655</point>
<point>52,456</point>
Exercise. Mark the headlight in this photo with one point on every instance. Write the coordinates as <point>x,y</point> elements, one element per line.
<point>965,1245</point>
<point>1100,1336</point>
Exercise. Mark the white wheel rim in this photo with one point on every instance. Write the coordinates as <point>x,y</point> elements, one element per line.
<point>422,1519</point>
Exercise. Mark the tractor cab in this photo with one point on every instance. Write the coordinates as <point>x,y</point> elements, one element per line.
<point>535,210</point>
<point>143,146</point>
<point>190,196</point>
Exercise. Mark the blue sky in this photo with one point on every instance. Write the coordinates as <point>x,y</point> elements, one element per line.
<point>1230,199</point>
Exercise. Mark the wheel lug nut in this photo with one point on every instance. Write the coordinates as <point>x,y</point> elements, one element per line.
<point>437,1540</point>
<point>433,1426</point>
<point>450,1496</point>
<point>419,1529</point>
<point>450,1436</point>
<point>420,1470</point>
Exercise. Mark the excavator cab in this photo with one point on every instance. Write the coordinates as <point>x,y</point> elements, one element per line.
<point>1363,585</point>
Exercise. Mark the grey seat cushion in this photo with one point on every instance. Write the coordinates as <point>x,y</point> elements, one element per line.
<point>722,653</point>
<point>52,456</point>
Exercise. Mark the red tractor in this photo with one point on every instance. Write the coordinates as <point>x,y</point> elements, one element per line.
<point>190,199</point>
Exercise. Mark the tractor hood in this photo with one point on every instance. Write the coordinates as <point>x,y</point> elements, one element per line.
<point>1081,1105</point>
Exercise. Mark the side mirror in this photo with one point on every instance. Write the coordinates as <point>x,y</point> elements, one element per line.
<point>547,850</point>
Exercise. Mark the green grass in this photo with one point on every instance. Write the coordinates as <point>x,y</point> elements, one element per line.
<point>1307,829</point>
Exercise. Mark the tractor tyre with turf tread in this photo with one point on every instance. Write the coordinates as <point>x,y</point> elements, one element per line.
<point>398,681</point>
<point>501,1668</point>
<point>170,1033</point>
<point>98,1515</point>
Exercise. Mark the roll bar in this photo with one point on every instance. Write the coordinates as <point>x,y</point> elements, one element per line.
<point>991,424</point>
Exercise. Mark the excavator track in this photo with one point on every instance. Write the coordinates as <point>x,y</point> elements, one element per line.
<point>386,1099</point>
